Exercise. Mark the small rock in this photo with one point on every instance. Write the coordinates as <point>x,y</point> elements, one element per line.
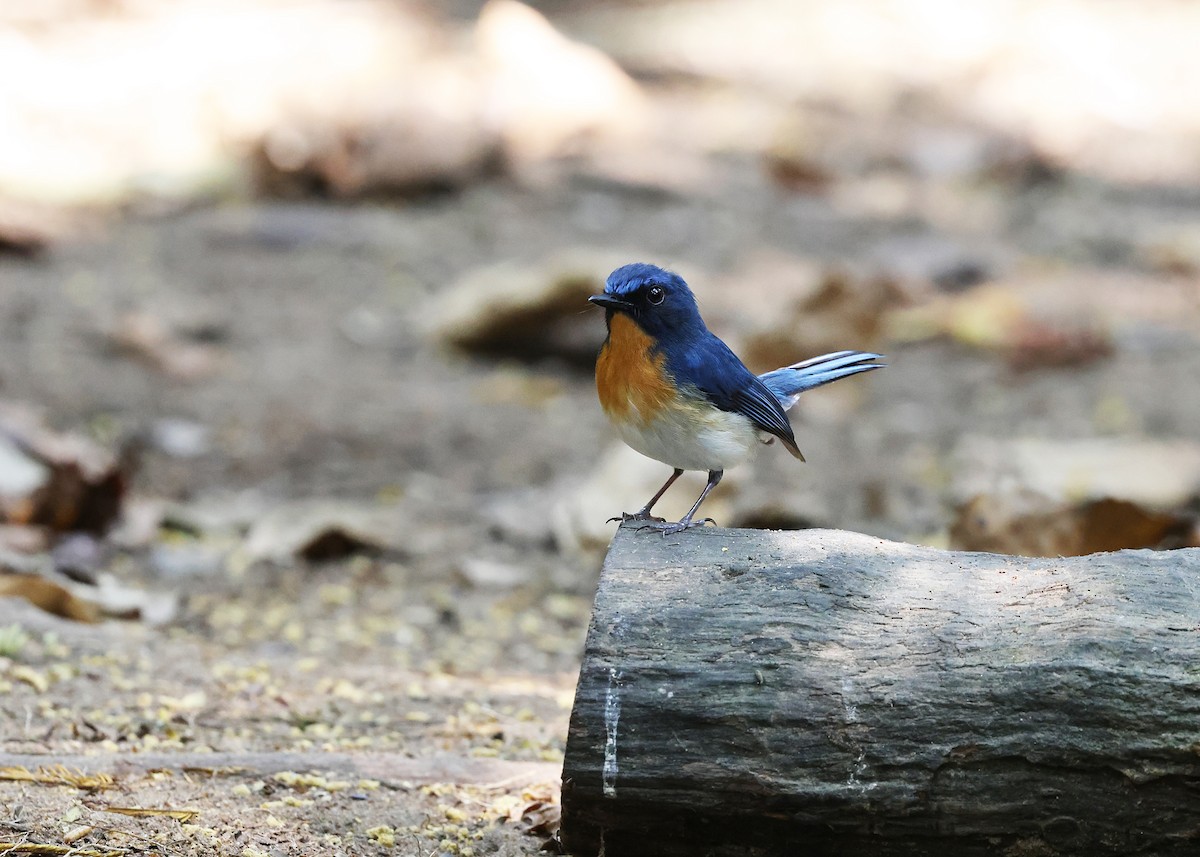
<point>521,517</point>
<point>180,438</point>
<point>20,475</point>
<point>367,327</point>
<point>79,556</point>
<point>485,573</point>
<point>177,562</point>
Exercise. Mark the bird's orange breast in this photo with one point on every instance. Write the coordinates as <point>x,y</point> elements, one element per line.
<point>631,379</point>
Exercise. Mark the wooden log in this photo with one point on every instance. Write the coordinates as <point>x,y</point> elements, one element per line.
<point>823,692</point>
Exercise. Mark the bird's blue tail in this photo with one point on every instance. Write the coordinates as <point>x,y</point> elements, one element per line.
<point>789,382</point>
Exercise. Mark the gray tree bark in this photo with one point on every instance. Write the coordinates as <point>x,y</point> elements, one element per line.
<point>823,692</point>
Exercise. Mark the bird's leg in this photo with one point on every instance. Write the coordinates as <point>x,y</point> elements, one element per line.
<point>643,514</point>
<point>714,476</point>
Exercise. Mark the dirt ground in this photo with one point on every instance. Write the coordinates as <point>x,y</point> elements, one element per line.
<point>413,698</point>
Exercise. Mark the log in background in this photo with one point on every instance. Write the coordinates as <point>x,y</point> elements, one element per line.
<point>823,692</point>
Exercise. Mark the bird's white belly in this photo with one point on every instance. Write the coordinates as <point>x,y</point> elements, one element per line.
<point>693,437</point>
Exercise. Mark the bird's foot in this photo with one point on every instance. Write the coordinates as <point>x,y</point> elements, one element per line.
<point>679,526</point>
<point>640,515</point>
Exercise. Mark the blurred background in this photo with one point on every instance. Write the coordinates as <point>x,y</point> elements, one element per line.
<point>295,354</point>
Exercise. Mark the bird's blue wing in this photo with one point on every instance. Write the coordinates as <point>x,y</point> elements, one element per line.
<point>709,366</point>
<point>760,405</point>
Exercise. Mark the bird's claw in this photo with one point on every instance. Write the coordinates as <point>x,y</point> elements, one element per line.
<point>678,526</point>
<point>642,515</point>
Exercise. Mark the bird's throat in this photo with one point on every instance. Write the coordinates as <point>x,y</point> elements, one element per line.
<point>631,378</point>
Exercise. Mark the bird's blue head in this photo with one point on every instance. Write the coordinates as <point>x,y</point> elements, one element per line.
<point>657,300</point>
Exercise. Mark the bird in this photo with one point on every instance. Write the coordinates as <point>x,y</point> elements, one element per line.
<point>677,394</point>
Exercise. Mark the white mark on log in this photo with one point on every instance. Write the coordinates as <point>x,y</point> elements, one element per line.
<point>849,709</point>
<point>612,714</point>
<point>850,714</point>
<point>860,767</point>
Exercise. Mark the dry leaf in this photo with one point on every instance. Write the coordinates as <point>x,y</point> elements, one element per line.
<point>14,848</point>
<point>141,812</point>
<point>48,596</point>
<point>79,485</point>
<point>541,818</point>
<point>58,775</point>
<point>1036,345</point>
<point>325,529</point>
<point>1026,523</point>
<point>148,339</point>
<point>31,677</point>
<point>1111,524</point>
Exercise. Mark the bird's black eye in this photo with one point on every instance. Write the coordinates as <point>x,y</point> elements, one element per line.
<point>656,295</point>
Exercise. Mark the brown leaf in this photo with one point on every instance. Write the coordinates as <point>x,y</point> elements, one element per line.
<point>541,818</point>
<point>82,485</point>
<point>1110,524</point>
<point>798,171</point>
<point>1037,345</point>
<point>1026,523</point>
<point>48,596</point>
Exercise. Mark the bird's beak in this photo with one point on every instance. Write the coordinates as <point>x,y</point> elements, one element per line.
<point>609,302</point>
